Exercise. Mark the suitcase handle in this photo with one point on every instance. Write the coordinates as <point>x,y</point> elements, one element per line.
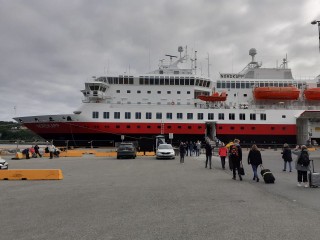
<point>311,161</point>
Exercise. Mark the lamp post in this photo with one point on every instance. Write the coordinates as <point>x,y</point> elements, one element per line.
<point>314,23</point>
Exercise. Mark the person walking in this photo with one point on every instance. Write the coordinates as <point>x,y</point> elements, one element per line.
<point>208,154</point>
<point>198,148</point>
<point>36,150</point>
<point>223,152</point>
<point>255,159</point>
<point>182,150</point>
<point>302,168</point>
<point>287,157</point>
<point>51,149</point>
<point>235,156</point>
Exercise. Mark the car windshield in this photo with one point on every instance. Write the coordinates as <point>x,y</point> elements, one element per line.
<point>165,146</point>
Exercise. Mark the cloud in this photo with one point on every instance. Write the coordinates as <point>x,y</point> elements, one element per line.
<point>50,48</point>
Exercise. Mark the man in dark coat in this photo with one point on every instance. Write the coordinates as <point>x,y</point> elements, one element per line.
<point>208,154</point>
<point>235,155</point>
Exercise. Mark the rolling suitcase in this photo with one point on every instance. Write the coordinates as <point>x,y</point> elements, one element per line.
<point>314,178</point>
<point>267,175</point>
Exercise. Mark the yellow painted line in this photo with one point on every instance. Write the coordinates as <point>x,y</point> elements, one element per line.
<point>105,154</point>
<point>31,174</point>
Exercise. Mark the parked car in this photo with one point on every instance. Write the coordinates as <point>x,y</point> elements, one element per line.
<point>165,151</point>
<point>3,164</point>
<point>126,150</point>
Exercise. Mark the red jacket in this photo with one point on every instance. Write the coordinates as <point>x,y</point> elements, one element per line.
<point>223,151</point>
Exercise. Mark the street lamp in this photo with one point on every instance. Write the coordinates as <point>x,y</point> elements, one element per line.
<point>314,23</point>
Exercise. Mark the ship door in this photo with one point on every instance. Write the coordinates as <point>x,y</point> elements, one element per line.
<point>210,130</point>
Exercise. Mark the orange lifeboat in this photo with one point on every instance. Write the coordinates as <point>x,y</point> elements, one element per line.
<point>215,97</point>
<point>276,93</point>
<point>312,94</point>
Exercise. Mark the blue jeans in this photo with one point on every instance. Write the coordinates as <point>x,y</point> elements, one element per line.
<point>255,171</point>
<point>285,165</point>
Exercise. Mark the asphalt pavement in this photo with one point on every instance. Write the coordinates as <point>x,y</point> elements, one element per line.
<point>145,198</point>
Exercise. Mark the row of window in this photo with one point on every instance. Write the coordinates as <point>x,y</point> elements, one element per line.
<point>190,127</point>
<point>157,80</point>
<point>180,116</point>
<point>149,92</point>
<point>251,84</point>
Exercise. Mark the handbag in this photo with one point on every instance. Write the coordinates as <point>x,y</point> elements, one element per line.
<point>241,170</point>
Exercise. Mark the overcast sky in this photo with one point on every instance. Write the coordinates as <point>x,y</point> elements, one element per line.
<point>49,48</point>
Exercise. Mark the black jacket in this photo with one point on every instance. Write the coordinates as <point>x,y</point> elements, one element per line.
<point>286,155</point>
<point>254,157</point>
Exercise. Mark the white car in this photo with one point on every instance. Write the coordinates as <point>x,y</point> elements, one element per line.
<point>165,151</point>
<point>3,164</point>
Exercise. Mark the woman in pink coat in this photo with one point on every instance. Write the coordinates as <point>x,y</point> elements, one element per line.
<point>223,151</point>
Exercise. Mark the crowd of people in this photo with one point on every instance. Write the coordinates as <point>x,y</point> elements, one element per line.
<point>233,152</point>
<point>34,151</point>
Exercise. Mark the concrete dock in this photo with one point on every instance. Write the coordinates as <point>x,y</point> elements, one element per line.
<point>144,198</point>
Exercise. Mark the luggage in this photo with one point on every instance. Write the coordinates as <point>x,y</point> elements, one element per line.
<point>314,178</point>
<point>267,175</point>
<point>241,170</point>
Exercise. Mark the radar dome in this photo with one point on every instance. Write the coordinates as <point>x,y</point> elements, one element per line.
<point>252,52</point>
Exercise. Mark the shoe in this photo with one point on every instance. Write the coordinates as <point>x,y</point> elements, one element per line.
<point>254,178</point>
<point>290,171</point>
<point>240,177</point>
<point>299,184</point>
<point>284,170</point>
<point>234,178</point>
<point>306,185</point>
<point>205,166</point>
<point>257,179</point>
<point>210,168</point>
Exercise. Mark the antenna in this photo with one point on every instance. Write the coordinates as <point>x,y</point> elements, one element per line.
<point>171,56</point>
<point>208,58</point>
<point>195,61</point>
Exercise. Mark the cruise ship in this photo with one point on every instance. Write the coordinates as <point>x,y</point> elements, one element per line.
<point>256,105</point>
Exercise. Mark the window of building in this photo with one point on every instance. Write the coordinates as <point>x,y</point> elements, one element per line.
<point>149,92</point>
<point>158,115</point>
<point>128,91</point>
<point>283,116</point>
<point>189,116</point>
<point>118,91</point>
<point>116,115</point>
<point>106,115</point>
<point>210,116</point>
<point>200,116</point>
<point>148,115</point>
<point>138,91</point>
<point>95,114</point>
<point>127,115</point>
<point>263,116</point>
<point>221,116</point>
<point>169,115</point>
<point>178,92</point>
<point>252,116</point>
<point>159,92</point>
<point>179,115</point>
<point>168,92</point>
<point>242,116</point>
<point>188,92</point>
<point>232,116</point>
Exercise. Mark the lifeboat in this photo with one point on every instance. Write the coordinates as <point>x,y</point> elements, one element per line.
<point>215,97</point>
<point>276,93</point>
<point>312,94</point>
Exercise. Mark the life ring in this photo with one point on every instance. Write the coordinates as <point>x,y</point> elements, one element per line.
<point>172,103</point>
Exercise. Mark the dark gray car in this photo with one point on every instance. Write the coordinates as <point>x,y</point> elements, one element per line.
<point>126,150</point>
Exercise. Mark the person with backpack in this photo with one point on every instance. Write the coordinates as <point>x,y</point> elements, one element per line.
<point>287,157</point>
<point>255,159</point>
<point>235,156</point>
<point>302,164</point>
